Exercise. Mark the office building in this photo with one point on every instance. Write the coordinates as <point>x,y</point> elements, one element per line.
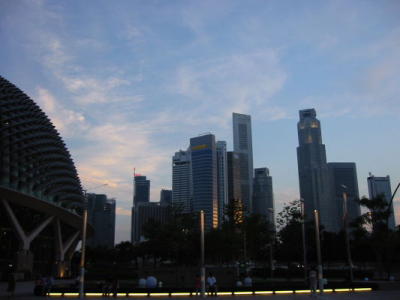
<point>242,145</point>
<point>234,193</point>
<point>141,190</point>
<point>380,186</point>
<point>263,197</point>
<point>166,197</point>
<point>313,170</point>
<point>146,212</point>
<point>101,214</point>
<point>204,178</point>
<point>182,181</point>
<point>222,179</point>
<point>343,178</point>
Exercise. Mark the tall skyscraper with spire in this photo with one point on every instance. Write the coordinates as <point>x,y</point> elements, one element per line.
<point>313,170</point>
<point>242,145</point>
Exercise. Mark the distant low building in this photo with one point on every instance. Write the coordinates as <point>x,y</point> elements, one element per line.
<point>143,213</point>
<point>380,186</point>
<point>263,196</point>
<point>166,197</point>
<point>101,214</point>
<point>343,178</point>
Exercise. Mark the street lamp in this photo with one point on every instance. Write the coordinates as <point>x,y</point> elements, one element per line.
<point>271,244</point>
<point>303,236</point>
<point>346,232</point>
<point>318,245</point>
<point>83,244</point>
<point>202,267</point>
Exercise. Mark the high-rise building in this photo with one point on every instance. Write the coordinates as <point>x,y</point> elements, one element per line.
<point>182,181</point>
<point>101,214</point>
<point>380,186</point>
<point>141,194</point>
<point>234,193</point>
<point>141,190</point>
<point>166,197</point>
<point>143,213</point>
<point>222,179</point>
<point>204,178</point>
<point>313,170</point>
<point>263,197</point>
<point>233,176</point>
<point>343,178</point>
<point>242,145</point>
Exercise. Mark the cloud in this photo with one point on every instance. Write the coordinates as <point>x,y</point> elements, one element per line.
<point>64,119</point>
<point>123,211</point>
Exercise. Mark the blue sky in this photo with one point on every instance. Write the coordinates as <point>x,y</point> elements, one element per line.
<point>127,83</point>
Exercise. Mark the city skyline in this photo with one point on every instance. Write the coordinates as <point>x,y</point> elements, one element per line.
<point>130,91</point>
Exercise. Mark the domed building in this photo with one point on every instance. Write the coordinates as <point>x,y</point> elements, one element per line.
<point>40,192</point>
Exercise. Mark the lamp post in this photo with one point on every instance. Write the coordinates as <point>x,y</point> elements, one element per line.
<point>346,232</point>
<point>83,249</point>
<point>83,244</point>
<point>271,244</point>
<point>303,237</point>
<point>318,245</point>
<point>202,267</point>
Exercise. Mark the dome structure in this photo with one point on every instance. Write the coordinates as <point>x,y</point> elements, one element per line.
<point>35,160</point>
<point>40,190</point>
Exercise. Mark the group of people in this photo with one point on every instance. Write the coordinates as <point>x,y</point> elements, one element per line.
<point>149,282</point>
<point>43,285</point>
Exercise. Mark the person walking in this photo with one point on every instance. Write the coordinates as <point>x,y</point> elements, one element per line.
<point>312,278</point>
<point>212,284</point>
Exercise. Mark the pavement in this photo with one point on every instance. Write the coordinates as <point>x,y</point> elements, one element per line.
<point>24,292</point>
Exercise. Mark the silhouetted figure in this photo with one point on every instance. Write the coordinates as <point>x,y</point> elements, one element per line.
<point>312,278</point>
<point>212,284</point>
<point>11,285</point>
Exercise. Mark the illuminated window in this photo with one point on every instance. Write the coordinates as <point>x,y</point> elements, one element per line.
<point>309,139</point>
<point>314,125</point>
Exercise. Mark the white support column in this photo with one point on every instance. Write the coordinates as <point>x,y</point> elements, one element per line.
<point>21,233</point>
<point>63,248</point>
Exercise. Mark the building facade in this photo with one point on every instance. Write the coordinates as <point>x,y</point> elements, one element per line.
<point>222,179</point>
<point>182,181</point>
<point>243,146</point>
<point>141,189</point>
<point>204,178</point>
<point>380,186</point>
<point>343,178</point>
<point>313,170</point>
<point>101,214</point>
<point>41,194</point>
<point>166,197</point>
<point>263,196</point>
<point>145,212</point>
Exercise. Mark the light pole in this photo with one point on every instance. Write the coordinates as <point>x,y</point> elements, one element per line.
<point>271,244</point>
<point>346,233</point>
<point>202,267</point>
<point>83,244</point>
<point>83,248</point>
<point>318,244</point>
<point>303,237</point>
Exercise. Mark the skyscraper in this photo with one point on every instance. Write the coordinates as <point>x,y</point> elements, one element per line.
<point>343,178</point>
<point>101,214</point>
<point>141,194</point>
<point>234,194</point>
<point>242,145</point>
<point>222,179</point>
<point>263,197</point>
<point>182,181</point>
<point>204,178</point>
<point>313,170</point>
<point>166,197</point>
<point>380,186</point>
<point>141,190</point>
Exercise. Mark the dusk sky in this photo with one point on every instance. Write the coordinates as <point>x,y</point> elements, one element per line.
<point>128,83</point>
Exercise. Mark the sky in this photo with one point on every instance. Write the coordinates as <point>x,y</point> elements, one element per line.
<point>128,83</point>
